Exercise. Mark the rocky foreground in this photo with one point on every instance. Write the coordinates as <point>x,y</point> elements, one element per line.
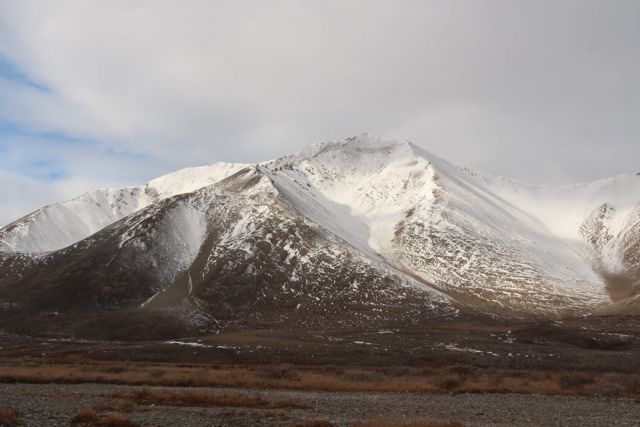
<point>56,405</point>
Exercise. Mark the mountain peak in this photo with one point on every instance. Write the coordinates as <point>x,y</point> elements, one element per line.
<point>329,221</point>
<point>364,152</point>
<point>361,143</point>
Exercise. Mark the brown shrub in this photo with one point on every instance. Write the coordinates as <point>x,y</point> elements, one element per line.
<point>360,376</point>
<point>331,369</point>
<point>464,371</point>
<point>156,373</point>
<point>397,371</point>
<point>199,398</point>
<point>8,417</point>
<point>278,372</point>
<point>614,385</point>
<point>126,406</point>
<point>449,384</point>
<point>88,417</point>
<point>114,369</point>
<point>576,379</point>
<point>85,416</point>
<point>632,385</point>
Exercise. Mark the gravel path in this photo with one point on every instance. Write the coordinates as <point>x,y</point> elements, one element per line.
<point>56,404</point>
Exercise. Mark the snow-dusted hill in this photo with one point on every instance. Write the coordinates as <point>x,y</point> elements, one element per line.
<point>363,230</point>
<point>501,242</point>
<point>58,225</point>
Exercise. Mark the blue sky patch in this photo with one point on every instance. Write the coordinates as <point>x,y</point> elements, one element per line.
<point>10,71</point>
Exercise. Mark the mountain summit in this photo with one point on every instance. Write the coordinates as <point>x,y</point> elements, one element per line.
<point>361,232</point>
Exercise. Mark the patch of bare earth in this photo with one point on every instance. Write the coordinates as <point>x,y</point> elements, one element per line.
<point>89,418</point>
<point>8,416</point>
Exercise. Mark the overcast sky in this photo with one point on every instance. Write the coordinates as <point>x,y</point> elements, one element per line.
<point>112,93</point>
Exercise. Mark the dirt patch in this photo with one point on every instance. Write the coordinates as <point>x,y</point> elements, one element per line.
<point>9,416</point>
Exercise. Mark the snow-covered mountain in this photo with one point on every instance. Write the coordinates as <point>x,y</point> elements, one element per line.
<point>354,232</point>
<point>61,224</point>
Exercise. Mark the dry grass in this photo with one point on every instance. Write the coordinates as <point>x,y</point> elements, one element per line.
<point>200,398</point>
<point>84,416</point>
<point>8,417</point>
<point>126,406</point>
<point>88,417</point>
<point>454,379</point>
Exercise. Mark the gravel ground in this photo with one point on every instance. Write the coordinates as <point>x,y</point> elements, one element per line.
<point>55,404</point>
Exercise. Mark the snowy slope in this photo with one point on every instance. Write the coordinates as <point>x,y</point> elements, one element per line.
<point>62,224</point>
<point>388,208</point>
<point>352,188</point>
<point>191,179</point>
<point>446,225</point>
<point>579,214</point>
<point>562,209</point>
<point>498,252</point>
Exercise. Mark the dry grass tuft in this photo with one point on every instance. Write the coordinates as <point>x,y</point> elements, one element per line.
<point>279,372</point>
<point>8,417</point>
<point>126,406</point>
<point>199,398</point>
<point>88,417</point>
<point>85,416</point>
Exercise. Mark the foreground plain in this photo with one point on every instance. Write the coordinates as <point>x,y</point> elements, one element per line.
<point>57,405</point>
<point>580,371</point>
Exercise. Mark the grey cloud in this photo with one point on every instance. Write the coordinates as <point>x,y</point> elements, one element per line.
<point>545,91</point>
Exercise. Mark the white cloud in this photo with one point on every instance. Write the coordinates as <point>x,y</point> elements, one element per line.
<point>538,90</point>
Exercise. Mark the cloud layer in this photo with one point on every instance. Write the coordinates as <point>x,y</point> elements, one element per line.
<point>543,91</point>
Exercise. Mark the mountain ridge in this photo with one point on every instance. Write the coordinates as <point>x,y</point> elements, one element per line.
<point>348,226</point>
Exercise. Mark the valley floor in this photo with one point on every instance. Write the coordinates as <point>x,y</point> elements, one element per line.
<point>57,405</point>
<point>582,371</point>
